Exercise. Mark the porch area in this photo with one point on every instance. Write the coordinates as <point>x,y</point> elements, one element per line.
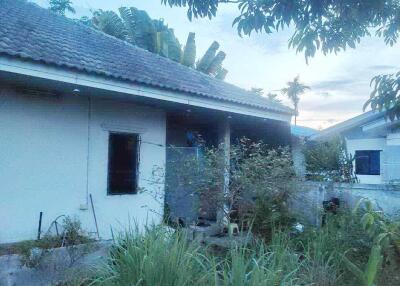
<point>189,134</point>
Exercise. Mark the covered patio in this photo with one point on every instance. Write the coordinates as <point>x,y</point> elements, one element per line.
<point>189,133</point>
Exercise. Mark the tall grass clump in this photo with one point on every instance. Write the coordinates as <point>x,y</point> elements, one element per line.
<point>259,264</point>
<point>152,257</point>
<point>159,257</point>
<point>322,250</point>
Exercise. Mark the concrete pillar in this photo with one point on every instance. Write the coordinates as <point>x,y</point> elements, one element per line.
<point>224,138</point>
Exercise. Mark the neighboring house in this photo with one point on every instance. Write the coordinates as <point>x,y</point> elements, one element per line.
<point>374,142</point>
<point>84,115</point>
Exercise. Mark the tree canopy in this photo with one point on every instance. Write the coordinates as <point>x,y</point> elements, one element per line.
<point>61,6</point>
<point>330,26</point>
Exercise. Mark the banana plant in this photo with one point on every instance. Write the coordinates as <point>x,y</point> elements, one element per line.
<point>383,232</point>
<point>368,276</point>
<point>136,27</point>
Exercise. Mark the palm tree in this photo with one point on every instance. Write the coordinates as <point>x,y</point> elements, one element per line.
<point>293,91</point>
<point>135,26</point>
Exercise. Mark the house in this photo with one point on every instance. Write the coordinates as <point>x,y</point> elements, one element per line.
<point>85,118</point>
<point>374,142</point>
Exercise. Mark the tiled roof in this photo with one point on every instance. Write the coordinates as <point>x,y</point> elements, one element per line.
<point>30,32</point>
<point>348,124</point>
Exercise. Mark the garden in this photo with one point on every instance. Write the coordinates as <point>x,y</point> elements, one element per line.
<point>358,246</point>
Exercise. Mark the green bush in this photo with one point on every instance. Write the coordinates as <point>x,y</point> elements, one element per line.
<point>329,161</point>
<point>261,180</point>
<point>32,251</point>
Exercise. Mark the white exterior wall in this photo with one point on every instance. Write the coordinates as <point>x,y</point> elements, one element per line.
<point>368,144</point>
<point>43,163</point>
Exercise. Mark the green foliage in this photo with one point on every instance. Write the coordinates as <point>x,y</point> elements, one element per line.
<point>154,256</point>
<point>258,264</point>
<point>369,275</point>
<point>110,23</point>
<point>264,180</point>
<point>257,90</point>
<point>385,235</point>
<point>189,51</point>
<point>208,57</point>
<point>329,161</point>
<point>383,230</point>
<point>293,91</point>
<point>216,64</point>
<point>260,92</point>
<point>221,73</point>
<point>323,249</point>
<point>261,181</point>
<point>386,95</point>
<point>32,251</point>
<point>273,97</point>
<point>206,8</point>
<point>136,26</point>
<point>61,6</point>
<point>331,26</point>
<point>161,256</point>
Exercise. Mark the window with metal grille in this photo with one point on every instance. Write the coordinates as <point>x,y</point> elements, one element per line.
<point>123,160</point>
<point>368,162</point>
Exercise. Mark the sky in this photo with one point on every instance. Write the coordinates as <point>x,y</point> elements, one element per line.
<point>339,83</point>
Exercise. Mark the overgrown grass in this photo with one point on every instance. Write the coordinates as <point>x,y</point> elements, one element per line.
<point>155,256</point>
<point>159,256</point>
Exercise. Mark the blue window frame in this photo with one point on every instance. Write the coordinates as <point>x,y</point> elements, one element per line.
<point>368,162</point>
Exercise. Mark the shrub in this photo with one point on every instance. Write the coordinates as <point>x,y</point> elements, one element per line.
<point>323,249</point>
<point>329,161</point>
<point>259,184</point>
<point>32,251</point>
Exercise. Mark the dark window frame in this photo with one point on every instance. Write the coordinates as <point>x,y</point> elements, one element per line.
<point>371,171</point>
<point>134,190</point>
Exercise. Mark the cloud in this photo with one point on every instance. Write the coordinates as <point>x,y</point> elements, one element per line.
<point>325,94</point>
<point>328,108</point>
<point>383,67</point>
<point>333,84</point>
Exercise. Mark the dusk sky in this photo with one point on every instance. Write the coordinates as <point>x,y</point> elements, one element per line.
<point>340,83</point>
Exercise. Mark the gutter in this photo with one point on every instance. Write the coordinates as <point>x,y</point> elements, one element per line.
<point>45,71</point>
